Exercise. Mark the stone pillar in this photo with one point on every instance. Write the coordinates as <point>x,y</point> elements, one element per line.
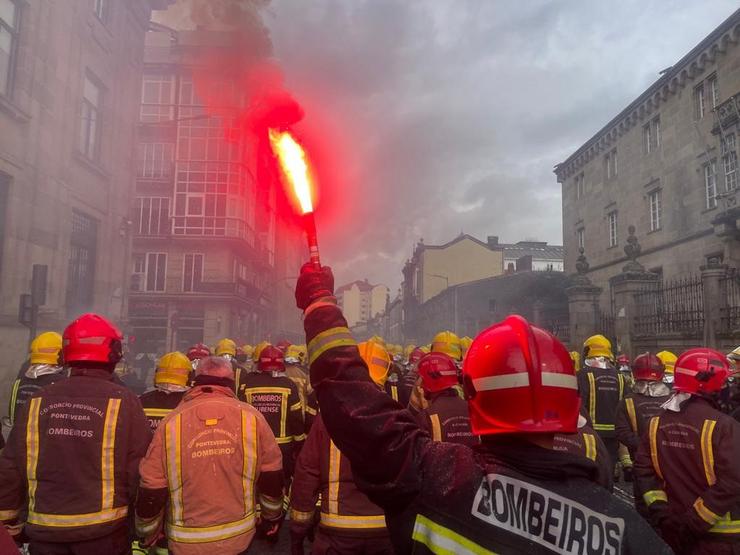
<point>624,286</point>
<point>583,305</point>
<point>715,300</point>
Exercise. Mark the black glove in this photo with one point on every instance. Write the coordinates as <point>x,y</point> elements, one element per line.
<point>270,529</point>
<point>313,284</point>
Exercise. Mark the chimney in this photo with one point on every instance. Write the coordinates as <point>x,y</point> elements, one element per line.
<point>492,240</point>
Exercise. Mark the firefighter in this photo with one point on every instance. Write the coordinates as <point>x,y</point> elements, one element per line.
<point>686,465</point>
<point>73,454</point>
<point>296,373</point>
<point>444,342</point>
<point>601,388</point>
<point>623,367</point>
<point>196,353</point>
<point>446,417</point>
<point>276,396</point>
<point>575,356</point>
<point>513,494</point>
<point>227,349</point>
<point>669,361</point>
<point>171,380</point>
<point>465,344</point>
<point>587,443</point>
<point>227,453</point>
<point>248,351</point>
<point>349,521</point>
<point>45,368</point>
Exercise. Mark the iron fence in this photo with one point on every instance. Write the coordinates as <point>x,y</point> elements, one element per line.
<point>671,307</point>
<point>730,317</point>
<point>607,327</point>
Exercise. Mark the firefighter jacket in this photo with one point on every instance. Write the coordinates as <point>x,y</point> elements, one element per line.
<point>277,398</point>
<point>207,460</point>
<point>508,496</point>
<point>601,389</point>
<point>26,385</point>
<point>392,388</point>
<point>240,376</point>
<point>157,404</point>
<point>300,379</point>
<point>447,418</point>
<point>345,510</point>
<point>687,465</point>
<point>587,443</point>
<point>634,413</point>
<point>74,454</point>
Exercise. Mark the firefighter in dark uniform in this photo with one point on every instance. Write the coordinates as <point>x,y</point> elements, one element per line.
<point>275,395</point>
<point>687,464</point>
<point>227,349</point>
<point>601,388</point>
<point>45,367</point>
<point>73,455</point>
<point>349,521</point>
<point>410,378</point>
<point>587,443</point>
<point>170,384</point>
<point>446,418</point>
<point>393,384</point>
<point>512,494</point>
<point>638,407</point>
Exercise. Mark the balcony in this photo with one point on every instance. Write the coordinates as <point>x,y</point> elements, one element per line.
<point>239,288</point>
<point>727,113</point>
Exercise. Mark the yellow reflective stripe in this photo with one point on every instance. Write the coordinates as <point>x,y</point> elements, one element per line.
<point>249,459</point>
<point>206,534</point>
<point>592,398</point>
<point>157,413</point>
<point>301,437</point>
<point>32,450</point>
<point>604,427</point>
<point>620,379</point>
<point>9,514</point>
<point>707,451</point>
<point>352,521</point>
<point>329,339</point>
<point>651,497</point>
<point>726,525</point>
<point>590,443</point>
<point>107,459</point>
<point>284,392</point>
<point>312,411</point>
<point>71,521</point>
<point>630,404</point>
<point>394,392</point>
<point>436,427</point>
<point>301,516</point>
<point>444,541</point>
<point>174,468</point>
<point>654,422</point>
<point>145,527</point>
<point>706,515</point>
<point>334,462</point>
<point>297,406</point>
<point>271,504</point>
<point>13,399</point>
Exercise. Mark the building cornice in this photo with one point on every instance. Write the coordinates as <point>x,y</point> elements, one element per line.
<point>719,41</point>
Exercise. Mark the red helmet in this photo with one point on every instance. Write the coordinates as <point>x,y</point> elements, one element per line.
<point>701,371</point>
<point>438,372</point>
<point>520,379</point>
<point>198,351</point>
<point>92,338</point>
<point>623,360</point>
<point>648,367</point>
<point>283,345</point>
<point>416,355</point>
<point>271,359</point>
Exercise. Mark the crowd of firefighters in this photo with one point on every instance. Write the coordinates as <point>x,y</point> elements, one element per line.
<point>506,443</point>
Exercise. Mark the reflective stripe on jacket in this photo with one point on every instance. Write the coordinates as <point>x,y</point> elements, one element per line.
<point>601,389</point>
<point>158,404</point>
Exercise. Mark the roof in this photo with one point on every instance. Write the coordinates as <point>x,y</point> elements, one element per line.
<point>362,285</point>
<point>535,249</point>
<point>457,239</point>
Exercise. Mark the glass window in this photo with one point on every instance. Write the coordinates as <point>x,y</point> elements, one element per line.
<point>8,43</point>
<point>729,161</point>
<point>155,160</point>
<point>81,268</point>
<point>710,183</point>
<point>192,275</point>
<point>612,219</point>
<point>157,98</point>
<point>651,135</point>
<point>610,164</point>
<point>581,235</point>
<point>699,101</point>
<point>714,90</point>
<point>153,214</point>
<point>156,270</point>
<point>90,119</point>
<point>655,210</point>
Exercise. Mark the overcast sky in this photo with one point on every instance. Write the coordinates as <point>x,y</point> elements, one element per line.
<point>454,112</point>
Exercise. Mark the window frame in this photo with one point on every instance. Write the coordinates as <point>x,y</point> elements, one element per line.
<point>581,237</point>
<point>714,90</point>
<point>700,101</point>
<point>651,135</point>
<point>711,199</point>
<point>96,136</point>
<point>193,283</point>
<point>611,219</point>
<point>145,226</point>
<point>14,31</point>
<point>155,288</point>
<point>729,161</point>
<point>655,208</point>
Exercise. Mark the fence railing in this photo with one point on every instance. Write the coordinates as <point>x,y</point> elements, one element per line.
<point>675,306</point>
<point>730,316</point>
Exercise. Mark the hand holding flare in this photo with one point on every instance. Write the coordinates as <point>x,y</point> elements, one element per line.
<point>293,163</point>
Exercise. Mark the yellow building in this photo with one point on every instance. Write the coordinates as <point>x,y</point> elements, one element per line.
<point>360,301</point>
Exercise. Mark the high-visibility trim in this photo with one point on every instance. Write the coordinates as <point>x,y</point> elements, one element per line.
<point>207,534</point>
<point>157,413</point>
<point>173,432</point>
<point>107,459</point>
<point>352,521</point>
<point>301,437</point>
<point>394,392</point>
<point>504,381</point>
<point>436,427</point>
<point>590,443</point>
<point>297,406</point>
<point>13,399</point>
<point>604,427</point>
<point>553,379</point>
<point>312,411</point>
<point>630,404</point>
<point>726,525</point>
<point>329,339</point>
<point>653,433</point>
<point>9,514</point>
<point>335,457</point>
<point>592,398</point>
<point>71,521</point>
<point>620,379</point>
<point>652,496</point>
<point>708,516</point>
<point>32,451</point>
<point>444,541</point>
<point>146,527</point>
<point>707,451</point>
<point>271,504</point>
<point>301,516</point>
<point>249,462</point>
<point>285,440</point>
<point>284,393</point>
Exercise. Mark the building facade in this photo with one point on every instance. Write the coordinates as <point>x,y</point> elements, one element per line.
<point>361,301</point>
<point>667,165</point>
<point>537,256</point>
<point>211,258</point>
<point>70,75</point>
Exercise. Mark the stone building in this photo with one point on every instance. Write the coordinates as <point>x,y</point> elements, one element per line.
<point>70,76</point>
<point>664,165</point>
<point>361,301</point>
<point>537,256</point>
<point>212,257</point>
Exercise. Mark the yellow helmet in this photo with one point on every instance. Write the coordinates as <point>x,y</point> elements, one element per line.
<point>293,352</point>
<point>248,350</point>
<point>597,346</point>
<point>734,355</point>
<point>378,339</point>
<point>575,356</point>
<point>448,343</point>
<point>225,347</point>
<point>45,348</point>
<point>173,368</point>
<point>258,348</point>
<point>425,349</point>
<point>668,359</point>
<point>408,350</point>
<point>465,344</point>
<point>377,359</point>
